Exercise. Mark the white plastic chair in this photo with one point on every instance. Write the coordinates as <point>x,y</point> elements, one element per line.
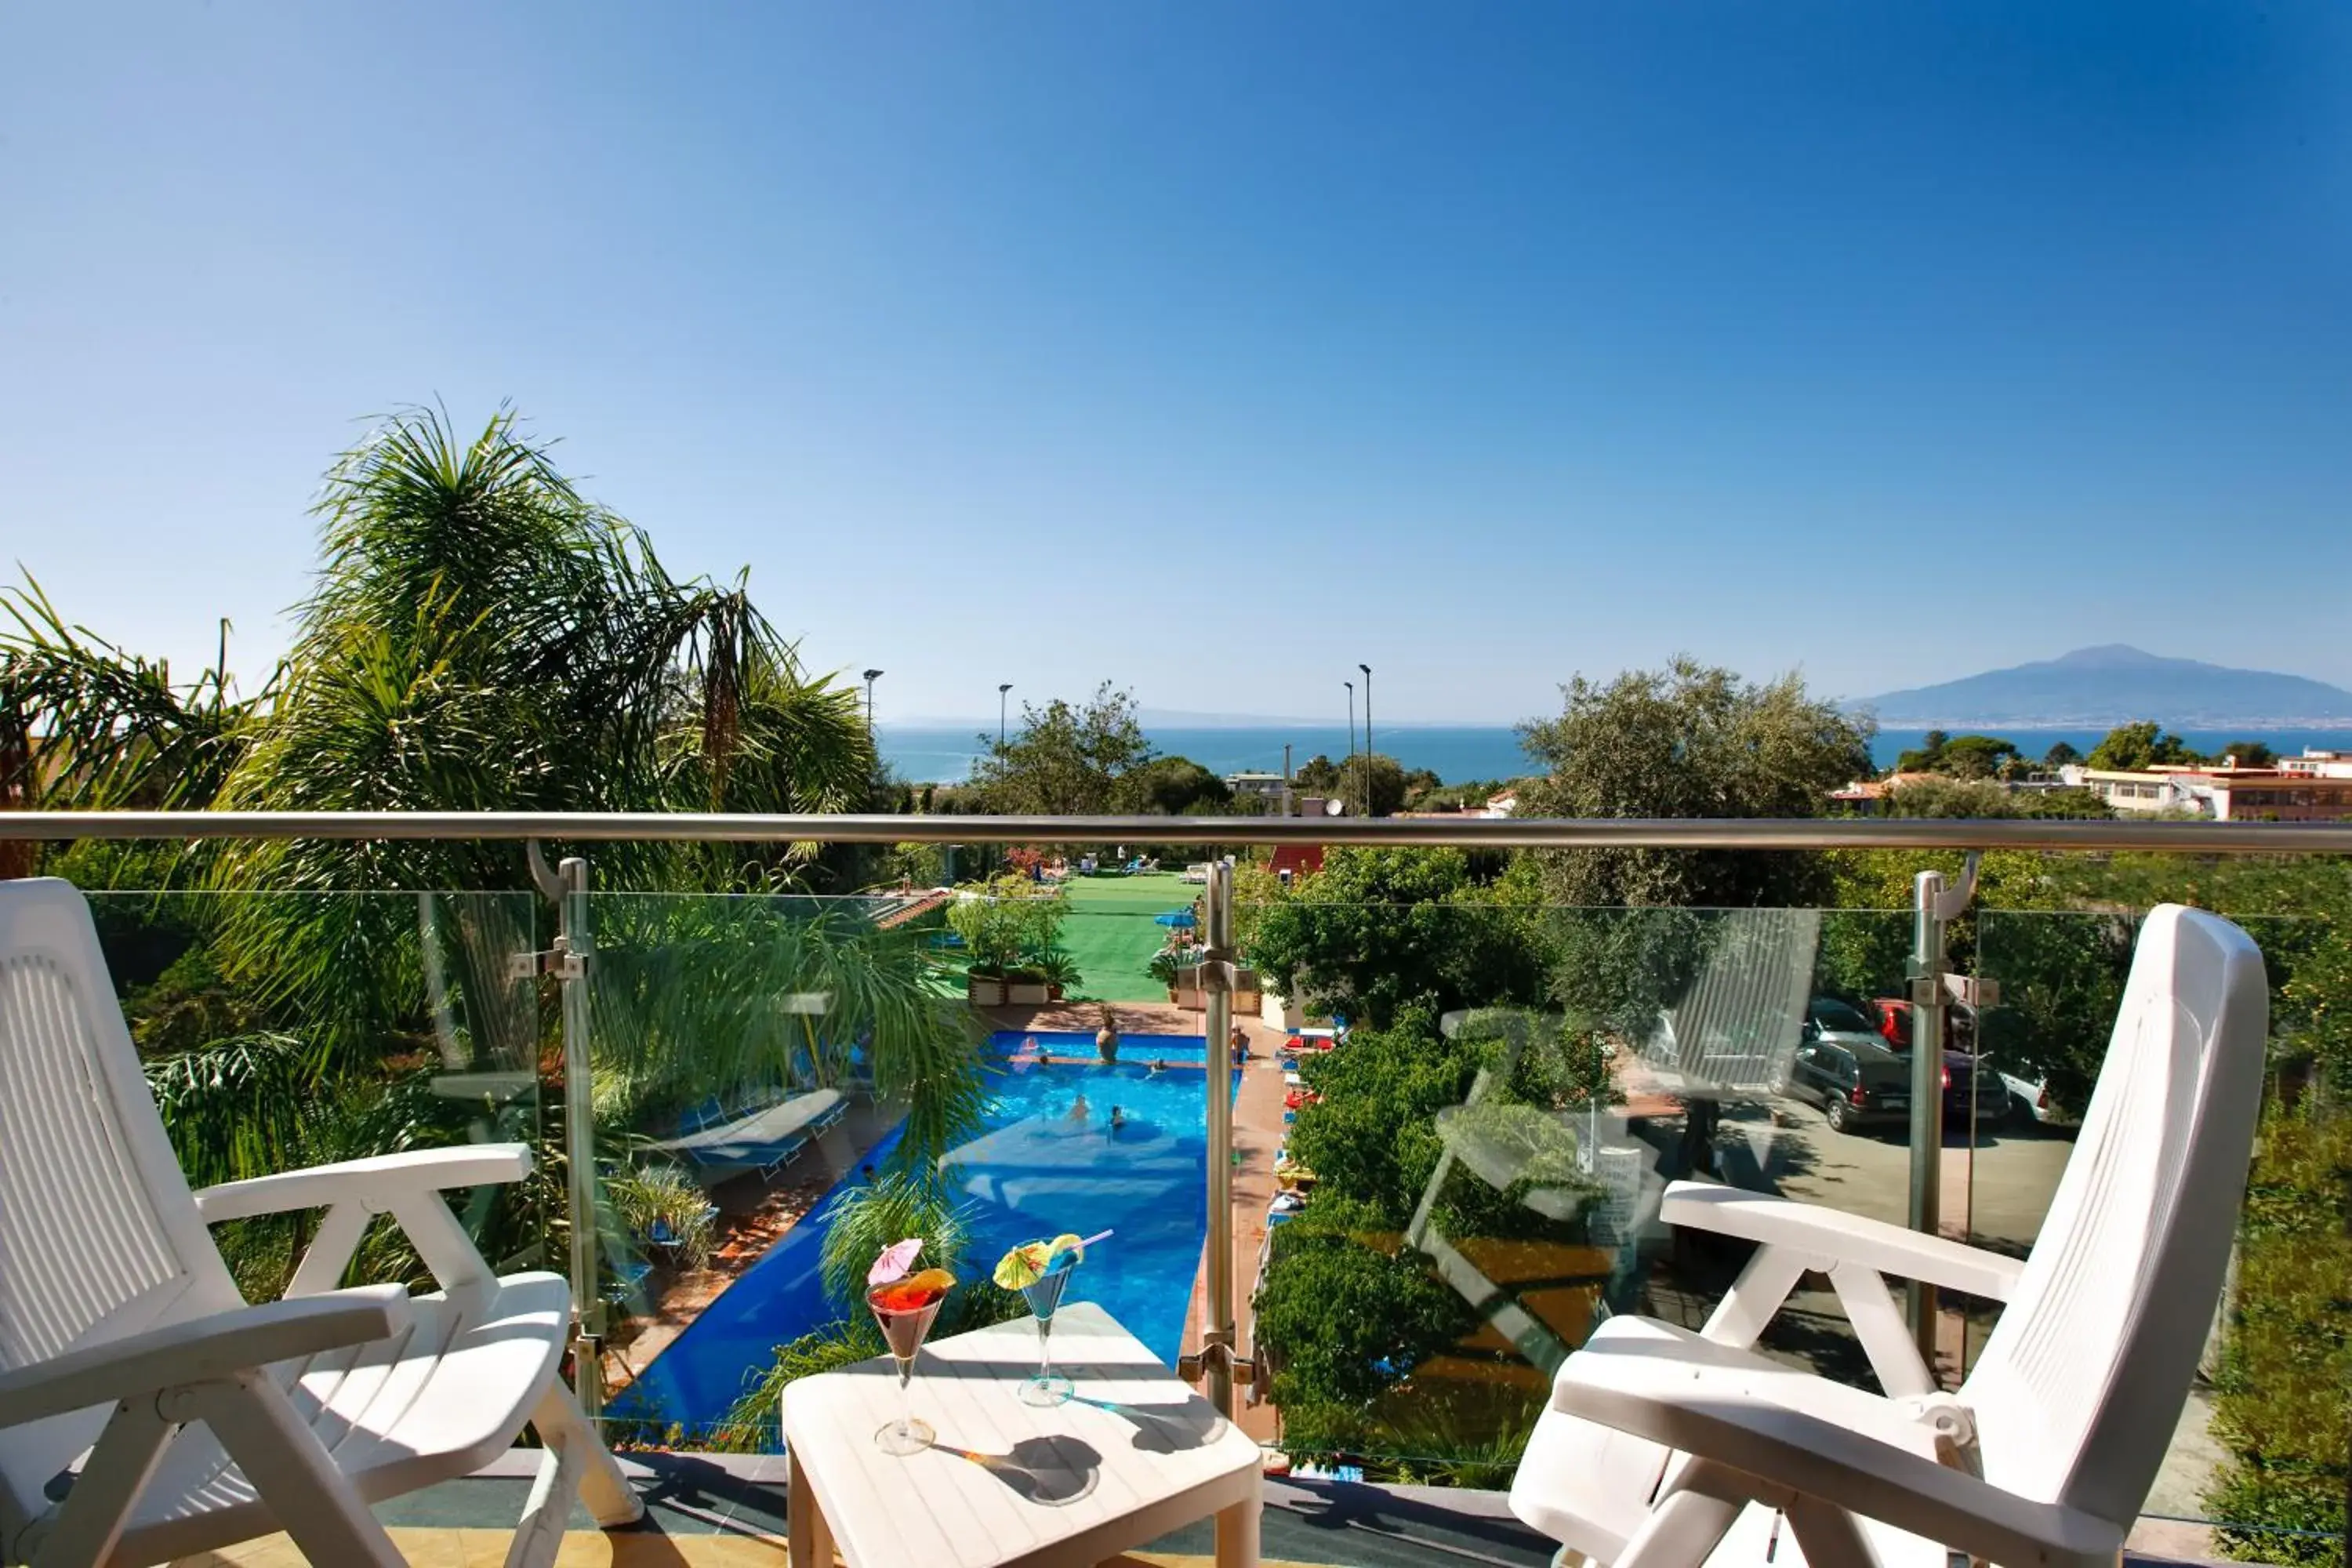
<point>146,1411</point>
<point>1665,1449</point>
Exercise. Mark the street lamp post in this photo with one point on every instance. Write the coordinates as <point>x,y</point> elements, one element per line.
<point>1351,722</point>
<point>871,677</point>
<point>1368,737</point>
<point>1001,691</point>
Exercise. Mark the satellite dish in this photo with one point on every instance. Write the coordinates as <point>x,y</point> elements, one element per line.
<point>1335,808</point>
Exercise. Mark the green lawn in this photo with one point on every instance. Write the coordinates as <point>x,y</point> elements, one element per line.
<point>1112,932</point>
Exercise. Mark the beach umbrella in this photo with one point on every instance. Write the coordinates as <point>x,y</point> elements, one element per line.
<point>1178,919</point>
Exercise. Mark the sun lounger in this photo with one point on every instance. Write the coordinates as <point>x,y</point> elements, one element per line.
<point>764,1140</point>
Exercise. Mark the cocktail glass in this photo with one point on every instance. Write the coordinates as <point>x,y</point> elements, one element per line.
<point>905,1313</point>
<point>1048,1387</point>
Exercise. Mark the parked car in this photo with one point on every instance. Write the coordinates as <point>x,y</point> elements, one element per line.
<point>2030,1100</point>
<point>1893,1022</point>
<point>1845,1067</point>
<point>1856,1083</point>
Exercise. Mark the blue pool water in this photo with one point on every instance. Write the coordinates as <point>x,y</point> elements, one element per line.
<point>1039,1166</point>
<point>1139,1048</point>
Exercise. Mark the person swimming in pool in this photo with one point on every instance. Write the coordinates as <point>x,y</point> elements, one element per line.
<point>1118,1119</point>
<point>1079,1109</point>
<point>1156,1068</point>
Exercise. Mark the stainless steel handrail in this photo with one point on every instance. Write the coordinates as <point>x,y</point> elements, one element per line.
<point>1472,833</point>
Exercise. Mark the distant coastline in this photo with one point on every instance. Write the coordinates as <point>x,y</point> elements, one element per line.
<point>1461,752</point>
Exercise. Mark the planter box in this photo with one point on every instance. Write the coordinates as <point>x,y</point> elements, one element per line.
<point>981,993</point>
<point>1025,993</point>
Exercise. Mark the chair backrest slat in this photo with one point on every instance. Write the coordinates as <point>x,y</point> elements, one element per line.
<point>2078,1389</point>
<point>99,1233</point>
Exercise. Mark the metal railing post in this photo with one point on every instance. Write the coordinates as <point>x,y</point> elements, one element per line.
<point>1217,998</point>
<point>572,944</point>
<point>1935,907</point>
<point>1927,1092</point>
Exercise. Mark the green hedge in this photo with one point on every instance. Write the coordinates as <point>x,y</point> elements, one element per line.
<point>2283,1405</point>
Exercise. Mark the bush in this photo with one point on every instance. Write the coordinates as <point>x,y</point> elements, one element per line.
<point>1007,923</point>
<point>1345,1309</point>
<point>2286,1371</point>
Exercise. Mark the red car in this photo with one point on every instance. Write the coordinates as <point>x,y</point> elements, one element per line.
<point>1895,1022</point>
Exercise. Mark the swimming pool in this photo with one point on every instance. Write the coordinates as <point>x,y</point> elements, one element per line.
<point>1041,1164</point>
<point>1142,1048</point>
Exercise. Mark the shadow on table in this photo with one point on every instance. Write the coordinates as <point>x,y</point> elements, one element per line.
<point>1164,1429</point>
<point>1049,1471</point>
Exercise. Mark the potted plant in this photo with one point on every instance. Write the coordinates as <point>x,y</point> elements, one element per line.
<point>1061,972</point>
<point>1106,1037</point>
<point>1025,986</point>
<point>1009,924</point>
<point>1167,969</point>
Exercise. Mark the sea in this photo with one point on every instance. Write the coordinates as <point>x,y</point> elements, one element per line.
<point>1458,754</point>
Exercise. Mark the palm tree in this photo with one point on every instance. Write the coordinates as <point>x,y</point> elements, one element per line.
<point>482,636</point>
<point>84,724</point>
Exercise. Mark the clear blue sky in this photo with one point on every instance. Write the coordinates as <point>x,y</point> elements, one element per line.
<point>1212,348</point>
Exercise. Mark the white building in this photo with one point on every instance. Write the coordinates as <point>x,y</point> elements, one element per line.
<point>2316,763</point>
<point>1266,786</point>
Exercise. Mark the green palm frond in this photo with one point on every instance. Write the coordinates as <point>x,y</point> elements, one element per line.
<point>691,1001</point>
<point>111,727</point>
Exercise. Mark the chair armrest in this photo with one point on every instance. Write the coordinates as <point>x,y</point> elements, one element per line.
<point>371,1182</point>
<point>1844,1238</point>
<point>1708,1412</point>
<point>201,1350</point>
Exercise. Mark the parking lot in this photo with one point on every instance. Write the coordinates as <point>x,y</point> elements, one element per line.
<point>1997,1185</point>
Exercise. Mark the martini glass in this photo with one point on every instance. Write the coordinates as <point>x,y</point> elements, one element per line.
<point>1048,1387</point>
<point>906,1312</point>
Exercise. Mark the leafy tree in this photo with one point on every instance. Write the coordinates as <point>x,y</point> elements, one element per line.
<point>1468,796</point>
<point>1066,759</point>
<point>1169,786</point>
<point>1318,776</point>
<point>1981,797</point>
<point>2130,747</point>
<point>1377,929</point>
<point>2061,754</point>
<point>1345,1309</point>
<point>1689,740</point>
<point>1373,1138</point>
<point>1381,775</point>
<point>2251,753</point>
<point>1960,756</point>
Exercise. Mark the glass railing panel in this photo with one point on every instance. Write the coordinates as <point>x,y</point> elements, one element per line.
<point>1488,1148</point>
<point>280,1031</point>
<point>784,1085</point>
<point>2256,1462</point>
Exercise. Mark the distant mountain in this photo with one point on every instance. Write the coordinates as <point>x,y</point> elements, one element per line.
<point>2096,686</point>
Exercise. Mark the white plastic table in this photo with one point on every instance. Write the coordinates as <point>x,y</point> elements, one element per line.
<point>1134,1456</point>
